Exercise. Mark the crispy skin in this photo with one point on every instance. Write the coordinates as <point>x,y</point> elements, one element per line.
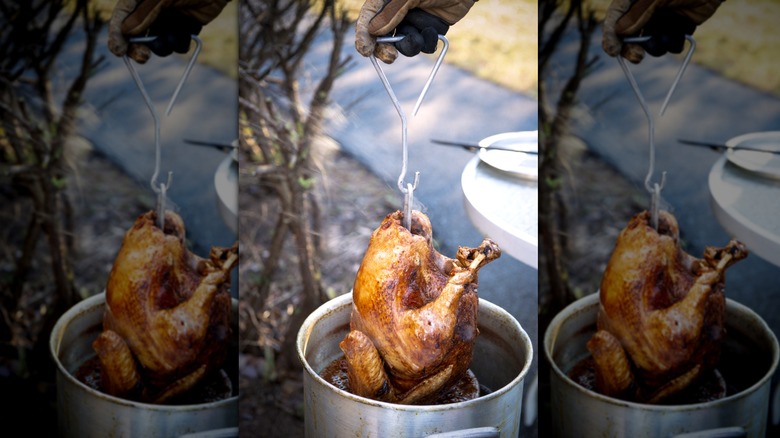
<point>414,316</point>
<point>665,307</point>
<point>167,308</point>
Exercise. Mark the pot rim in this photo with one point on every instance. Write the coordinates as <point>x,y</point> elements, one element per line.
<point>84,306</point>
<point>346,299</point>
<point>581,304</point>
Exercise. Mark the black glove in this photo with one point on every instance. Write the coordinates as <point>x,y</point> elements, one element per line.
<point>421,32</point>
<point>672,20</point>
<point>136,18</point>
<point>668,31</point>
<point>383,17</point>
<point>173,31</point>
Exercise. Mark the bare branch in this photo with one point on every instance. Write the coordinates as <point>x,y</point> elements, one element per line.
<point>280,128</point>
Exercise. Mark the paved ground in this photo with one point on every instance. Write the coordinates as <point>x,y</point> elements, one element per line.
<point>705,107</point>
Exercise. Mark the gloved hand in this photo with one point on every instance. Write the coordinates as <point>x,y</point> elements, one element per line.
<point>172,21</point>
<point>668,21</point>
<point>421,21</point>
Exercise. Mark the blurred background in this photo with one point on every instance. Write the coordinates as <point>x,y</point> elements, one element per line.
<point>71,182</point>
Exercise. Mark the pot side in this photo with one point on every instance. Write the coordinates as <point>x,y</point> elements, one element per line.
<point>502,357</point>
<point>86,412</point>
<point>748,360</point>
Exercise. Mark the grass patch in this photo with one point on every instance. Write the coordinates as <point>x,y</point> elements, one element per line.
<point>220,41</point>
<point>739,42</point>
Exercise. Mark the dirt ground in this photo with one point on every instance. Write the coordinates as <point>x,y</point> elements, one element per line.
<point>599,202</point>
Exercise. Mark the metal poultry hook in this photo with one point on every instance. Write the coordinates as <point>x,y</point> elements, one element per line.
<point>655,188</point>
<point>406,188</point>
<point>187,70</point>
<point>162,188</point>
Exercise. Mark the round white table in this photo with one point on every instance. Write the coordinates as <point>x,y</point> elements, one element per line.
<point>504,207</point>
<point>747,205</point>
<point>226,186</point>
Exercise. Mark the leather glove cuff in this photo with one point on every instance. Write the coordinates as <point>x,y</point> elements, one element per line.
<point>639,12</point>
<point>392,12</point>
<point>147,12</point>
<point>450,13</point>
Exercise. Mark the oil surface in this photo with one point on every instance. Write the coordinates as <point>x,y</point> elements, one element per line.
<point>214,387</point>
<point>708,387</point>
<point>467,388</point>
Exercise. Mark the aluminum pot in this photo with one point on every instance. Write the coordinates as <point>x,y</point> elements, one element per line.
<point>85,412</point>
<point>748,360</point>
<point>502,357</point>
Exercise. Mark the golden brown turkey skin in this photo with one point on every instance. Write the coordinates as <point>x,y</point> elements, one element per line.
<point>167,318</point>
<point>661,315</point>
<point>414,315</point>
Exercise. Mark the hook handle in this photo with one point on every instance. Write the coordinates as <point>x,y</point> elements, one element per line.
<point>187,70</point>
<point>186,74</point>
<point>680,71</point>
<point>402,116</point>
<point>431,75</point>
<point>650,121</point>
<point>409,201</point>
<point>160,189</point>
<point>655,188</point>
<point>406,188</point>
<point>162,198</point>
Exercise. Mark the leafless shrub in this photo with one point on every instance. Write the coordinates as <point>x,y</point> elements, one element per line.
<point>38,112</point>
<point>555,16</point>
<point>279,131</point>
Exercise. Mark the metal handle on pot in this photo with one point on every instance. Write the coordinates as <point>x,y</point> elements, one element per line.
<point>721,432</point>
<point>776,406</point>
<point>228,432</point>
<point>476,432</point>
